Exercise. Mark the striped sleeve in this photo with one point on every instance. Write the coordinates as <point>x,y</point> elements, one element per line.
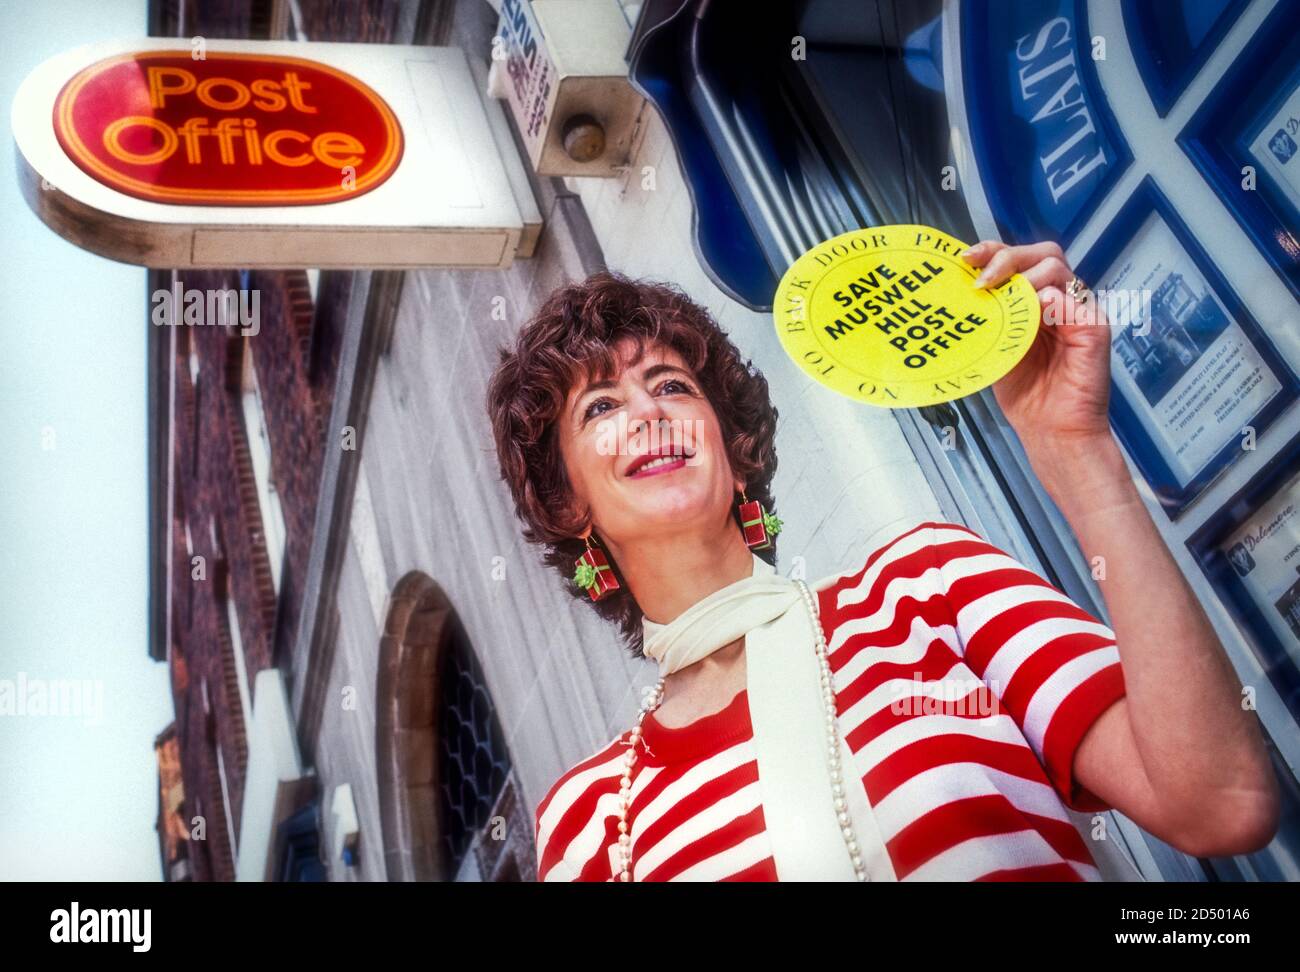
<point>573,824</point>
<point>538,845</point>
<point>551,864</point>
<point>1054,667</point>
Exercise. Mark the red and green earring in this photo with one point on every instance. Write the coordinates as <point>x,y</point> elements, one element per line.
<point>758,525</point>
<point>592,571</point>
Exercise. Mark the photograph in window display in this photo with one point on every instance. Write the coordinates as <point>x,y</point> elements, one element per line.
<point>1274,536</point>
<point>1188,369</point>
<point>1265,556</point>
<point>1244,136</point>
<point>1197,379</point>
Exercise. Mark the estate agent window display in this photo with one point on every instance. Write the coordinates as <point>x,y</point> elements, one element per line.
<point>928,712</point>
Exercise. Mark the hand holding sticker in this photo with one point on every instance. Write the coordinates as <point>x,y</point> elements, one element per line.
<point>890,316</point>
<point>1061,389</point>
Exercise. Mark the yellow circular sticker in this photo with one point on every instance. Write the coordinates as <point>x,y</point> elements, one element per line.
<point>890,316</point>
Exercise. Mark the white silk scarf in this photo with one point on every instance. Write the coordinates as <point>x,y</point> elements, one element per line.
<point>788,717</point>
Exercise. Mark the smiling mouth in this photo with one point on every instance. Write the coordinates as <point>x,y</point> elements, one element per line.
<point>653,465</point>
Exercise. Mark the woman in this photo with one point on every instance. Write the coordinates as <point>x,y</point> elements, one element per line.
<point>927,713</point>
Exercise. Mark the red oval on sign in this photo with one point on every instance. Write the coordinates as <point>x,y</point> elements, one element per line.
<point>229,130</point>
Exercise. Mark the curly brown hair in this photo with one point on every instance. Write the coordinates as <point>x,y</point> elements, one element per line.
<point>571,337</point>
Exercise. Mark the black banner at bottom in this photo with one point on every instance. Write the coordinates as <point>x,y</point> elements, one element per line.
<point>212,921</point>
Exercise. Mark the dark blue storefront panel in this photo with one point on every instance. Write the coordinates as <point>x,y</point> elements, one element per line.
<point>1219,137</point>
<point>1043,136</point>
<point>726,245</point>
<point>1172,39</point>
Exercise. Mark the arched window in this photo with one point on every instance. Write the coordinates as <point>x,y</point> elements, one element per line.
<point>471,750</point>
<point>448,804</point>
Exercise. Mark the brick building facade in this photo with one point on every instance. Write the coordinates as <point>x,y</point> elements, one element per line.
<point>226,591</point>
<point>222,573</point>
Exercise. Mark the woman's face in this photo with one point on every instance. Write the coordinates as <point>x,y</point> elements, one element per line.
<point>609,431</point>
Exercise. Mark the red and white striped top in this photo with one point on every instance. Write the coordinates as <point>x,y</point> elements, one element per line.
<point>965,682</point>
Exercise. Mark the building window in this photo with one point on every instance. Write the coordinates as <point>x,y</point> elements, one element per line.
<point>299,837</point>
<point>444,769</point>
<point>225,801</point>
<point>220,831</point>
<point>259,447</point>
<point>473,757</point>
<point>241,666</point>
<point>194,359</point>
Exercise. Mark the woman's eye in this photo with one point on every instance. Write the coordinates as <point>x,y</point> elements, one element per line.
<point>590,408</point>
<point>665,387</point>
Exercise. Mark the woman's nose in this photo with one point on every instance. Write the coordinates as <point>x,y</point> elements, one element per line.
<point>647,423</point>
<point>645,410</point>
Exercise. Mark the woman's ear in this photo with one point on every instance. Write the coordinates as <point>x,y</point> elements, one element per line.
<point>574,513</point>
<point>577,516</point>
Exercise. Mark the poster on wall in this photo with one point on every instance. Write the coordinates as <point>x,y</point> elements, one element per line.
<point>1251,552</point>
<point>1194,382</point>
<point>1245,140</point>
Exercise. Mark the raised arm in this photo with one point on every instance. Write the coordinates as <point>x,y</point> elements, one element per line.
<point>1179,754</point>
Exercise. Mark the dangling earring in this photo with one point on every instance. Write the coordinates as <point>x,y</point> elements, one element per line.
<point>592,571</point>
<point>758,525</point>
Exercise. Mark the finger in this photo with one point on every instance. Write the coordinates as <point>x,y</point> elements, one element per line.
<point>1057,307</point>
<point>1051,271</point>
<point>1013,259</point>
<point>980,253</point>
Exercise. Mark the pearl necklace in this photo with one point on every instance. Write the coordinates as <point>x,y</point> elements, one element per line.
<point>832,755</point>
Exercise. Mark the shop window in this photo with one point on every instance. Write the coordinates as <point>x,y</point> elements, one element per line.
<point>1001,121</point>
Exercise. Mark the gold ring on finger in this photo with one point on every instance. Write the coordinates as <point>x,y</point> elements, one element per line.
<point>1078,290</point>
